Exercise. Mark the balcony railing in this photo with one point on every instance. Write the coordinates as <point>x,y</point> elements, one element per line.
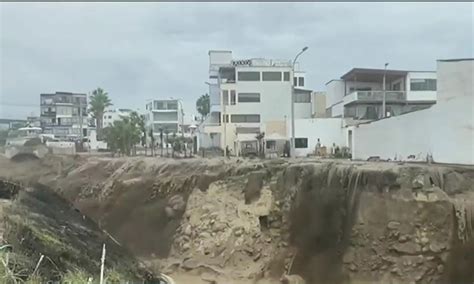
<point>375,96</point>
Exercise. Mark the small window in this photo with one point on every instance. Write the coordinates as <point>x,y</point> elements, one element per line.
<point>232,97</point>
<point>302,97</point>
<point>245,118</point>
<point>301,142</point>
<point>110,117</point>
<point>286,76</point>
<point>301,81</point>
<point>249,76</point>
<point>423,84</point>
<point>225,97</point>
<point>271,145</point>
<point>271,76</point>
<point>295,81</point>
<point>249,97</point>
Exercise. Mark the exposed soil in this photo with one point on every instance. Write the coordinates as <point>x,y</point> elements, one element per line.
<point>235,220</point>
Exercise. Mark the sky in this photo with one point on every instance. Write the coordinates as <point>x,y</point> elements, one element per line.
<point>140,51</point>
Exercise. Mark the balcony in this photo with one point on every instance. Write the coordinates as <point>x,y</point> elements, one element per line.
<point>374,97</point>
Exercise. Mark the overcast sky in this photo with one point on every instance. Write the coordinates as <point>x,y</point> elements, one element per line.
<point>138,51</point>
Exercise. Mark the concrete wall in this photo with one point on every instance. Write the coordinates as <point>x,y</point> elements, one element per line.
<point>319,104</point>
<point>278,127</point>
<point>328,130</point>
<point>62,148</point>
<point>334,92</point>
<point>445,131</point>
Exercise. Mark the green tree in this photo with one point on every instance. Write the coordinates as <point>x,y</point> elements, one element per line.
<point>98,102</point>
<point>203,106</point>
<point>122,136</point>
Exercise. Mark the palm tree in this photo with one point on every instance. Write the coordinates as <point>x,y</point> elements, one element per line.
<point>203,106</point>
<point>98,102</point>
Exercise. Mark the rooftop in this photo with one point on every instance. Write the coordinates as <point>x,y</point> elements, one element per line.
<point>372,75</point>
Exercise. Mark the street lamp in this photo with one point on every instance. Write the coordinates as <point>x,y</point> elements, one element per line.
<point>292,154</point>
<point>384,91</point>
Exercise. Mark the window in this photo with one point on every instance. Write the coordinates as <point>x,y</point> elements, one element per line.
<point>249,97</point>
<point>232,97</point>
<point>271,76</point>
<point>397,86</point>
<point>249,76</point>
<point>225,118</point>
<point>244,118</point>
<point>302,97</point>
<point>301,142</point>
<point>271,145</point>
<point>225,97</point>
<point>301,81</point>
<point>172,105</point>
<point>295,81</point>
<point>110,117</point>
<point>286,76</point>
<point>423,84</point>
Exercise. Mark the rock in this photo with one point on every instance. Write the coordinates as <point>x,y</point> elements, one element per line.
<point>292,279</point>
<point>424,240</point>
<point>177,203</point>
<point>418,182</point>
<point>407,248</point>
<point>440,269</point>
<point>190,264</point>
<point>403,238</point>
<point>430,258</point>
<point>208,277</point>
<point>257,257</point>
<point>455,182</point>
<point>393,225</point>
<point>253,186</point>
<point>169,212</point>
<point>187,231</point>
<point>268,240</point>
<point>353,267</point>
<point>394,270</point>
<point>238,232</point>
<point>186,246</point>
<point>436,247</point>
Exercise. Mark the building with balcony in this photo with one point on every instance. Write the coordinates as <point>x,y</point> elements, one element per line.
<point>359,93</point>
<point>251,96</point>
<point>164,114</point>
<point>64,114</point>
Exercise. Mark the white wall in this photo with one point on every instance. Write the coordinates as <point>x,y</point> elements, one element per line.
<point>334,92</point>
<point>328,130</point>
<point>446,130</point>
<point>420,95</point>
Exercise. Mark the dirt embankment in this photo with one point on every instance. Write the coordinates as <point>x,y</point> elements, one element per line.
<point>329,222</point>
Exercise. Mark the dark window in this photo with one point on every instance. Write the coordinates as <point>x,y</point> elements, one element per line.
<point>423,84</point>
<point>225,118</point>
<point>249,97</point>
<point>301,142</point>
<point>245,118</point>
<point>225,97</point>
<point>295,81</point>
<point>302,97</point>
<point>271,144</point>
<point>232,97</point>
<point>271,76</point>
<point>301,81</point>
<point>249,76</point>
<point>397,86</point>
<point>286,76</point>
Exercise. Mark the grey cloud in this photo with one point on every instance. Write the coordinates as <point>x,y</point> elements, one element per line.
<point>138,51</point>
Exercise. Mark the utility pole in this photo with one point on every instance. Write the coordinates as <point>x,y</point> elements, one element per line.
<point>292,149</point>
<point>384,91</point>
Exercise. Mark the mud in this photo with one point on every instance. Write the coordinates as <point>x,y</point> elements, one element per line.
<point>329,222</point>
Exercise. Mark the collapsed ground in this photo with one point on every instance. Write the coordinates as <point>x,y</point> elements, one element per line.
<point>219,219</point>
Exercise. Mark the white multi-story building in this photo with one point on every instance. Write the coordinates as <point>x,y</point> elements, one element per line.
<point>252,96</point>
<point>359,93</point>
<point>114,115</point>
<point>164,114</point>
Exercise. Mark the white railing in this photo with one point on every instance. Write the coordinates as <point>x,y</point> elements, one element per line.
<point>375,96</point>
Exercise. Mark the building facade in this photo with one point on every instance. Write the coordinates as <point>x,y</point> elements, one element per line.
<point>359,93</point>
<point>64,114</point>
<point>112,115</point>
<point>252,96</point>
<point>166,115</point>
